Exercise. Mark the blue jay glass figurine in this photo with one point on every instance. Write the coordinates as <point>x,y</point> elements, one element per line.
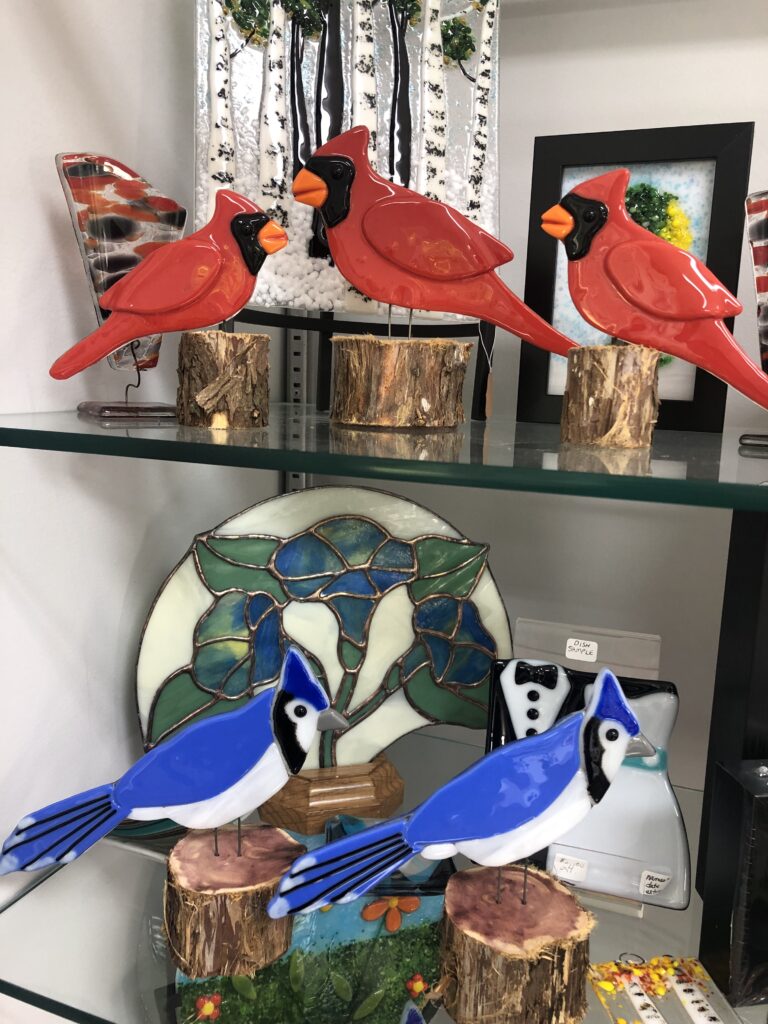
<point>213,772</point>
<point>511,803</point>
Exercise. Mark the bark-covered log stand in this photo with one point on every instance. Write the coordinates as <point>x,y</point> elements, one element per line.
<point>223,380</point>
<point>611,396</point>
<point>398,382</point>
<point>510,962</point>
<point>216,906</point>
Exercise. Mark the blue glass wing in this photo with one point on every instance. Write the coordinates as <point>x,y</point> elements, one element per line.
<point>506,788</point>
<point>200,762</point>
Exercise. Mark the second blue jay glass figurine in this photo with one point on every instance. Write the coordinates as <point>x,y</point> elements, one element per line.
<point>215,771</point>
<point>514,801</point>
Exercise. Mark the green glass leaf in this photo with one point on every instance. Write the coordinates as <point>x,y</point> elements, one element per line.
<point>296,970</point>
<point>220,575</point>
<point>178,697</point>
<point>255,551</point>
<point>222,707</point>
<point>226,618</point>
<point>351,656</point>
<point>355,538</point>
<point>216,660</point>
<point>244,987</point>
<point>366,1008</point>
<point>458,582</point>
<point>441,554</point>
<point>454,705</point>
<point>239,681</point>
<point>393,679</point>
<point>341,987</point>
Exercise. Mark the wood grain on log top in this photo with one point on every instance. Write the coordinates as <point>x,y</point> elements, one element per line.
<point>267,853</point>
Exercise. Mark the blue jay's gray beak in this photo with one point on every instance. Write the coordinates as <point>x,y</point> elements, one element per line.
<point>640,746</point>
<point>331,719</point>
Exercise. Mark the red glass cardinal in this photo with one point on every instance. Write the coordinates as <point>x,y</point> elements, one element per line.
<point>399,247</point>
<point>195,282</point>
<point>633,285</point>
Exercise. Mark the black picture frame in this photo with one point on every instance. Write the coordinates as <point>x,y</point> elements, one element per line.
<point>730,146</point>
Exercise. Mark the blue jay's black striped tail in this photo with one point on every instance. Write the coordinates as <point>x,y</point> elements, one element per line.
<point>60,832</point>
<point>344,870</point>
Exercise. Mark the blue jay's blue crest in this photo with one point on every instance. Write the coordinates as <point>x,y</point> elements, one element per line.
<point>298,681</point>
<point>608,702</point>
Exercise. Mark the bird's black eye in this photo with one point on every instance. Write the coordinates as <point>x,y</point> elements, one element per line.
<point>300,711</point>
<point>589,215</point>
<point>612,734</point>
<point>337,172</point>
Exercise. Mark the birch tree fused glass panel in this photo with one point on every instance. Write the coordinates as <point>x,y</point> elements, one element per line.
<point>119,219</point>
<point>397,612</point>
<point>276,80</point>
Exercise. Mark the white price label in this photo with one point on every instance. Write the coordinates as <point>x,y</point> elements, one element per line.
<point>652,882</point>
<point>570,869</point>
<point>581,650</point>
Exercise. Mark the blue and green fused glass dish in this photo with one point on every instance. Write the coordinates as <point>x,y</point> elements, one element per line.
<point>397,612</point>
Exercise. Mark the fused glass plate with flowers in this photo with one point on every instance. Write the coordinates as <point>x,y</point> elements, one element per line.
<point>375,960</point>
<point>397,612</point>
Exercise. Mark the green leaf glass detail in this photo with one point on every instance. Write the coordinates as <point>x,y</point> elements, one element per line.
<point>220,575</point>
<point>441,554</point>
<point>244,987</point>
<point>217,660</point>
<point>456,705</point>
<point>351,656</point>
<point>296,971</point>
<point>225,619</point>
<point>255,551</point>
<point>355,539</point>
<point>367,1007</point>
<point>178,698</point>
<point>341,987</point>
<point>460,582</point>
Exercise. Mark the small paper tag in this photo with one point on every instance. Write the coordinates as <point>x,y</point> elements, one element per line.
<point>581,650</point>
<point>570,869</point>
<point>652,882</point>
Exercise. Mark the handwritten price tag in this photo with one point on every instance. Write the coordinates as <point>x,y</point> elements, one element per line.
<point>581,650</point>
<point>570,869</point>
<point>652,882</point>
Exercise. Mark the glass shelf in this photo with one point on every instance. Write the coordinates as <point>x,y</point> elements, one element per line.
<point>681,468</point>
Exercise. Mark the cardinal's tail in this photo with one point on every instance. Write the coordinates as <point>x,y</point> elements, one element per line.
<point>60,832</point>
<point>730,363</point>
<point>344,870</point>
<point>511,313</point>
<point>113,334</point>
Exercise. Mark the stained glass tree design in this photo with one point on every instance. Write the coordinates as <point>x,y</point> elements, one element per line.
<point>351,577</point>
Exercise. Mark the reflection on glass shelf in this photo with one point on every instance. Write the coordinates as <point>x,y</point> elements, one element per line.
<point>681,468</point>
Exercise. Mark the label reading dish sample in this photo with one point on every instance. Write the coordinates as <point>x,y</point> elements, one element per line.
<point>652,882</point>
<point>570,869</point>
<point>581,650</point>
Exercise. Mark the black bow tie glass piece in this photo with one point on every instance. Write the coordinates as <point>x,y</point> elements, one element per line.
<point>544,675</point>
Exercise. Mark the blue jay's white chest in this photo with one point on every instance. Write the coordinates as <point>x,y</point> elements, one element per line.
<point>267,777</point>
<point>563,813</point>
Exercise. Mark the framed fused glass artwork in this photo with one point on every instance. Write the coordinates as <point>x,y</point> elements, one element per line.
<point>397,612</point>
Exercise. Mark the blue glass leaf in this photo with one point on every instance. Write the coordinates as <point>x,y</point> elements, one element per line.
<point>472,630</point>
<point>468,666</point>
<point>226,618</point>
<point>416,657</point>
<point>355,582</point>
<point>441,653</point>
<point>215,660</point>
<point>237,684</point>
<point>354,613</point>
<point>385,580</point>
<point>257,606</point>
<point>267,656</point>
<point>306,555</point>
<point>305,588</point>
<point>394,555</point>
<point>438,614</point>
<point>355,538</point>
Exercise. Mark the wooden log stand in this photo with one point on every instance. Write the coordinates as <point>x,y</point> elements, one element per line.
<point>512,962</point>
<point>309,799</point>
<point>611,396</point>
<point>398,382</point>
<point>216,907</point>
<point>223,380</point>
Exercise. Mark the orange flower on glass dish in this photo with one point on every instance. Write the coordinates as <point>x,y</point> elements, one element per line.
<point>208,1007</point>
<point>416,986</point>
<point>393,908</point>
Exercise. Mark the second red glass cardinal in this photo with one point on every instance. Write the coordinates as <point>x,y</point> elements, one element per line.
<point>195,282</point>
<point>633,285</point>
<point>399,247</point>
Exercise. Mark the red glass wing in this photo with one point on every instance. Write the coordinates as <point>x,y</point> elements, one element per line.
<point>168,279</point>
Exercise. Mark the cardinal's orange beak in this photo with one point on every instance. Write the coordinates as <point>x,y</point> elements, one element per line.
<point>310,189</point>
<point>272,238</point>
<point>556,221</point>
